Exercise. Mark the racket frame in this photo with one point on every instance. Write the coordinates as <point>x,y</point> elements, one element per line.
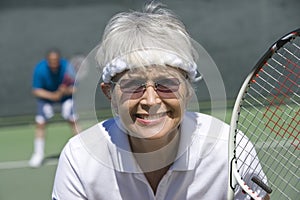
<point>234,176</point>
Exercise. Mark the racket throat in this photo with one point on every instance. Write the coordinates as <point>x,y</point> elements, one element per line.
<point>261,184</point>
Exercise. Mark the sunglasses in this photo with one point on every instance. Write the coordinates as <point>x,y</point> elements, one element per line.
<point>164,87</point>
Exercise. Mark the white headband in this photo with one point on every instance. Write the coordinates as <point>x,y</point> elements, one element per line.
<point>147,58</point>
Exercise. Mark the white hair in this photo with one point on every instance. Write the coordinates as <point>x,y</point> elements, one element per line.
<point>154,36</point>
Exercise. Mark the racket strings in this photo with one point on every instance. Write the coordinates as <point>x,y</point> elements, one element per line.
<point>269,91</point>
<point>270,155</point>
<point>254,167</point>
<point>292,76</point>
<point>281,169</point>
<point>273,113</point>
<point>269,117</point>
<point>277,101</point>
<point>246,118</point>
<point>250,118</point>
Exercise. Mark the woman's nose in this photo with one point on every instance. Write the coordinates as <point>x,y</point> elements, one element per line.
<point>150,96</point>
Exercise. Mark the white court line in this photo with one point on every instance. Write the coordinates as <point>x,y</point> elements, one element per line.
<point>24,164</point>
<point>274,144</point>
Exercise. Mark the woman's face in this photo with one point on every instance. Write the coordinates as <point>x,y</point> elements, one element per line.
<point>150,101</point>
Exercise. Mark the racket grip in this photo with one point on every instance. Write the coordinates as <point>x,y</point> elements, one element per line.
<point>261,184</point>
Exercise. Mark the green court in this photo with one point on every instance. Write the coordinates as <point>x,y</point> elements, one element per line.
<point>17,180</point>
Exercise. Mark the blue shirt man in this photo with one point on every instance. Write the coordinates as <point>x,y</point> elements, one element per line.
<point>53,82</point>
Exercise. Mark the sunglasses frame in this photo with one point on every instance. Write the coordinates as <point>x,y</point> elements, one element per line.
<point>168,92</point>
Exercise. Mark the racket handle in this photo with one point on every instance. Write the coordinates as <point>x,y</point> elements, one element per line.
<point>261,184</point>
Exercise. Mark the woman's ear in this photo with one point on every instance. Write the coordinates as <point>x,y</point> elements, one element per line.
<point>106,89</point>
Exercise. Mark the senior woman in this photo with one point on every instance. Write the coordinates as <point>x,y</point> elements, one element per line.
<point>152,148</point>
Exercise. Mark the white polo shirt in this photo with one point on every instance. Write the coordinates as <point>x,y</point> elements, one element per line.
<point>97,164</point>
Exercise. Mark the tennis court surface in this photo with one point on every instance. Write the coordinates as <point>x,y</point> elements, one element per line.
<point>17,179</point>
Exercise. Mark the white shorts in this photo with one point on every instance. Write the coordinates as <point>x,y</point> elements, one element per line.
<point>45,111</point>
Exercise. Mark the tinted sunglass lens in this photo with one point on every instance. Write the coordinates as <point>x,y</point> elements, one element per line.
<point>131,86</point>
<point>168,85</point>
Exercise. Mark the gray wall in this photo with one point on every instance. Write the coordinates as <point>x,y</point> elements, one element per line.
<point>234,32</point>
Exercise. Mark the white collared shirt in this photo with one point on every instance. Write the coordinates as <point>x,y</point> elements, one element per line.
<point>97,164</point>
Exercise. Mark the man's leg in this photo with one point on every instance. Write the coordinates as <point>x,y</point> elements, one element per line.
<point>45,112</point>
<point>38,146</point>
<point>74,127</point>
<point>69,115</point>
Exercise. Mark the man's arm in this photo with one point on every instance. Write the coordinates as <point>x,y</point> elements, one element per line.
<point>44,94</point>
<point>67,90</point>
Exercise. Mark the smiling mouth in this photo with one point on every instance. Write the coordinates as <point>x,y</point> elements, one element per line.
<point>151,116</point>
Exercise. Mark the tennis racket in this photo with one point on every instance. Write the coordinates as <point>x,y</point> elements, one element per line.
<point>265,125</point>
